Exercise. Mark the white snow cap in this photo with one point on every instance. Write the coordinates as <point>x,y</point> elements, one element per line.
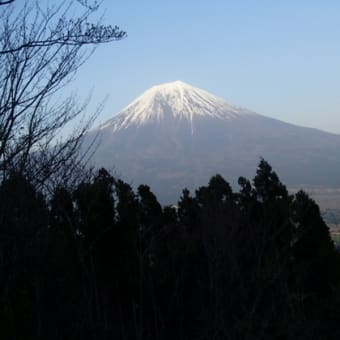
<point>176,99</point>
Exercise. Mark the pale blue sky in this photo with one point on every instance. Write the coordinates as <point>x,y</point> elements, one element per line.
<point>280,58</point>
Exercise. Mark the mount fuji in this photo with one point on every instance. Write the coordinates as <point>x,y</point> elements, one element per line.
<point>176,135</point>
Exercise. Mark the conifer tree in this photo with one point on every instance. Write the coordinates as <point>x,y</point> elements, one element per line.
<point>314,251</point>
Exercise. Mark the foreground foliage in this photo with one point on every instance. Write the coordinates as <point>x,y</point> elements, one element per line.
<point>104,262</point>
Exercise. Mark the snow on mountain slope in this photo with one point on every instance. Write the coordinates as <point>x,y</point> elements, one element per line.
<point>176,135</point>
<point>176,100</point>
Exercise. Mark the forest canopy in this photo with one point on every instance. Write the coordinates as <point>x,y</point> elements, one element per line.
<point>102,261</point>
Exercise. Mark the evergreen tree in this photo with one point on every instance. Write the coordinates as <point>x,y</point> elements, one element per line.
<point>188,211</point>
<point>64,268</point>
<point>103,262</point>
<point>23,226</point>
<point>150,217</point>
<point>314,251</point>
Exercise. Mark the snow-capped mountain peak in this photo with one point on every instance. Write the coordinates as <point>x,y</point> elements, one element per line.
<point>176,135</point>
<point>177,100</point>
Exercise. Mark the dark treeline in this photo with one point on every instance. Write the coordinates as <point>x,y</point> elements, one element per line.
<point>104,262</point>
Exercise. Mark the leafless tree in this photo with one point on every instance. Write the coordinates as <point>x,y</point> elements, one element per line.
<point>40,51</point>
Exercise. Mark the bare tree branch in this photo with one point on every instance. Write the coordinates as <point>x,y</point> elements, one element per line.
<point>85,3</point>
<point>6,2</point>
<point>40,51</point>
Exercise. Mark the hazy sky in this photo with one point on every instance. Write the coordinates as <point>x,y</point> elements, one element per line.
<point>279,58</point>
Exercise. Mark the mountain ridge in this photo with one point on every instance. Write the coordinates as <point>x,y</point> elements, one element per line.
<point>153,141</point>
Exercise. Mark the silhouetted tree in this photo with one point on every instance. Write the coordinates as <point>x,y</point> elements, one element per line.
<point>103,262</point>
<point>6,2</point>
<point>188,210</point>
<point>23,226</point>
<point>150,211</point>
<point>314,251</point>
<point>40,51</point>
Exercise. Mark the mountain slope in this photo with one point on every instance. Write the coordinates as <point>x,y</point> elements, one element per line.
<point>176,135</point>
